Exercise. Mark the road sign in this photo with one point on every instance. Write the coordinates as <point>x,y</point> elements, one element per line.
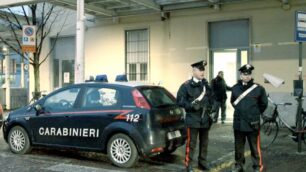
<point>28,38</point>
<point>300,26</point>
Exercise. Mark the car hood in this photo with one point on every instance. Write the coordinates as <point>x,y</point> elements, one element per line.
<point>20,112</point>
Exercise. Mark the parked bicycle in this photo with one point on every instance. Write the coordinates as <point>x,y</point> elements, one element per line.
<point>270,125</point>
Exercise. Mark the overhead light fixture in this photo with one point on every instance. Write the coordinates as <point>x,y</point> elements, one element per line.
<point>216,6</point>
<point>286,5</point>
<point>164,15</point>
<point>285,1</point>
<point>213,1</point>
<point>115,19</point>
<point>4,49</point>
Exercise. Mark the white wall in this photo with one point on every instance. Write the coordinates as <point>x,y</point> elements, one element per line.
<point>183,39</point>
<point>176,43</point>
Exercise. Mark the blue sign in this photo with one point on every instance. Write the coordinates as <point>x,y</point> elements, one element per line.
<point>29,31</point>
<point>300,26</point>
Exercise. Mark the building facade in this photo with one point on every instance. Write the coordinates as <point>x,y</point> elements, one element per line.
<point>159,50</point>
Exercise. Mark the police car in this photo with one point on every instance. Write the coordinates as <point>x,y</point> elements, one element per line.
<point>123,120</point>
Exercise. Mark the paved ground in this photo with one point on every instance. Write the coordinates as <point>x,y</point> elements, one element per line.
<point>281,157</point>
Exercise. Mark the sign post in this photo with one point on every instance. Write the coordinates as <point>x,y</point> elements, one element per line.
<point>28,45</point>
<point>28,38</point>
<point>300,36</point>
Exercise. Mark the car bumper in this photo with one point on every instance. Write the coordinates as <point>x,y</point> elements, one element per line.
<point>4,130</point>
<point>159,142</point>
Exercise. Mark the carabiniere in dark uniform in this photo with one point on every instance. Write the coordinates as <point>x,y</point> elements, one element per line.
<point>247,118</point>
<point>197,118</point>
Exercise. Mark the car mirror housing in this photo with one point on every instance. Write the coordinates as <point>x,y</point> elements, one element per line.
<point>38,107</point>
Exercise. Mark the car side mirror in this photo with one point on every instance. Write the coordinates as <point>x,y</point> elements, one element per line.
<point>38,107</point>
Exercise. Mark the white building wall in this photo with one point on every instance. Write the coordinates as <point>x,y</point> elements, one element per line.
<point>183,39</point>
<point>176,43</point>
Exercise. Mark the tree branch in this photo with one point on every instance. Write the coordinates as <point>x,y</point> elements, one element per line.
<point>25,15</point>
<point>11,25</point>
<point>16,19</point>
<point>45,34</point>
<point>56,38</point>
<point>10,45</point>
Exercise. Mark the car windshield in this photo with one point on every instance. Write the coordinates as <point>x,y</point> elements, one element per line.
<point>158,97</point>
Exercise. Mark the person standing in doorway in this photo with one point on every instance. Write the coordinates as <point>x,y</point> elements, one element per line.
<point>195,96</point>
<point>219,87</point>
<point>249,101</point>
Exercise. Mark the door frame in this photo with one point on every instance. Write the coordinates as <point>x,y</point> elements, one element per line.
<point>238,59</point>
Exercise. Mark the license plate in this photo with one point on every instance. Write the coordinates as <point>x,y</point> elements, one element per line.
<point>174,134</point>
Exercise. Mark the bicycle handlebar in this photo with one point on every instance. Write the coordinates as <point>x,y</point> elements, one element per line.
<point>284,104</point>
<point>276,104</point>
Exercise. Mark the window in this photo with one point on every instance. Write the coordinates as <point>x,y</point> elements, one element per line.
<point>158,97</point>
<point>15,70</point>
<point>143,71</point>
<point>132,72</point>
<point>13,66</point>
<point>1,67</point>
<point>100,97</point>
<point>63,100</point>
<point>137,54</point>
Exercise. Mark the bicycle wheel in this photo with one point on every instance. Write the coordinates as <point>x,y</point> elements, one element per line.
<point>268,133</point>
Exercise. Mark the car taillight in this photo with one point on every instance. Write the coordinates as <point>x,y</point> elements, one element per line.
<point>139,100</point>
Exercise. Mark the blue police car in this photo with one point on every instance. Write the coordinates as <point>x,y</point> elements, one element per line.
<point>121,119</point>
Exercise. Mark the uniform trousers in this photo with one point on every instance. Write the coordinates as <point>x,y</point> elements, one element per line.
<point>192,135</point>
<point>217,106</point>
<point>254,143</point>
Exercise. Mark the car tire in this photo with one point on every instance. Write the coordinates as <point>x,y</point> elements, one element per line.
<point>18,140</point>
<point>122,151</point>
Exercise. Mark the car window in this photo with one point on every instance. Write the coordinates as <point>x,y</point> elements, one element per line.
<point>158,96</point>
<point>100,97</point>
<point>63,100</point>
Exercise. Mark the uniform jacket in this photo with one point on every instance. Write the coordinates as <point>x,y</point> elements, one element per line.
<point>249,109</point>
<point>219,87</point>
<point>187,93</point>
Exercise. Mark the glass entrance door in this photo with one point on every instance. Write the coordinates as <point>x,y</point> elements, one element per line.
<point>63,73</point>
<point>67,72</point>
<point>228,61</point>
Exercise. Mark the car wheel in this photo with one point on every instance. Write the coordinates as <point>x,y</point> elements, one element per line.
<point>122,151</point>
<point>19,140</point>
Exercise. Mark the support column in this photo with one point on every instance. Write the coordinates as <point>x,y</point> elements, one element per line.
<point>7,78</point>
<point>299,115</point>
<point>79,59</point>
<point>22,73</point>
